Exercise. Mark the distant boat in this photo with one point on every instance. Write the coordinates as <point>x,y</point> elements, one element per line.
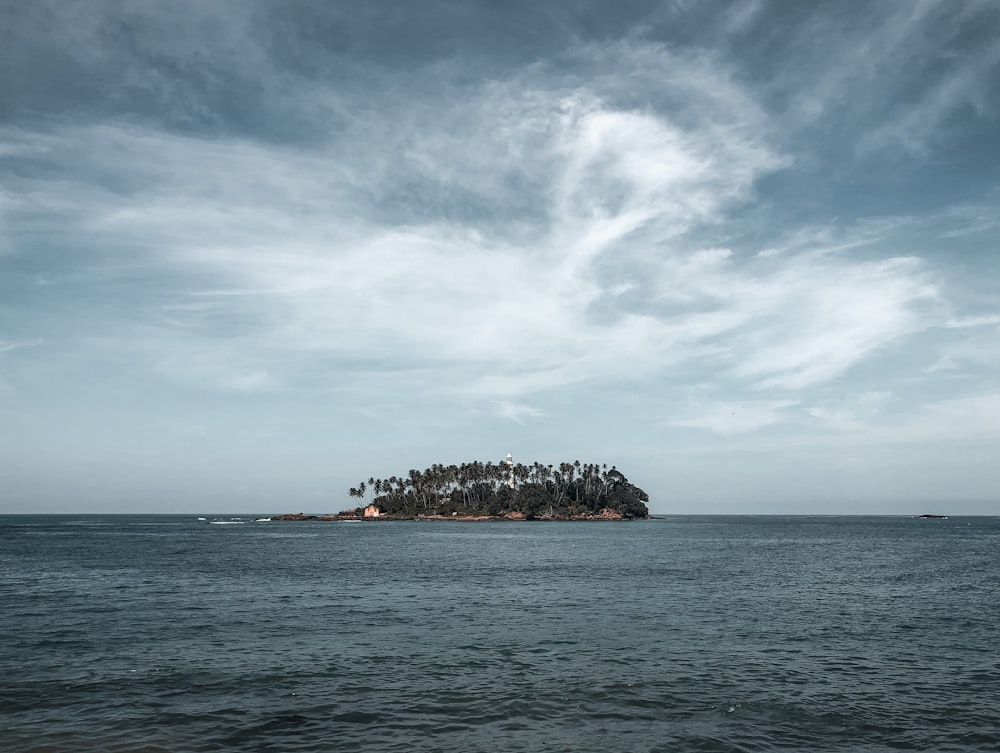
<point>929,516</point>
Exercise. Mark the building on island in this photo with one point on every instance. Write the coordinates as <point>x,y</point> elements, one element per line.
<point>372,512</point>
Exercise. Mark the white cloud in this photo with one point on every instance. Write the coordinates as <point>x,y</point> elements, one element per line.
<point>817,317</point>
<point>856,412</point>
<point>327,254</point>
<point>516,412</point>
<point>390,247</point>
<point>973,416</point>
<point>10,345</point>
<point>966,322</point>
<point>733,418</point>
<point>894,78</point>
<point>972,220</point>
<point>977,346</point>
<point>961,89</point>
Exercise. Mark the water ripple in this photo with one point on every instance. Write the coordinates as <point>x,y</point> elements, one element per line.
<point>154,635</point>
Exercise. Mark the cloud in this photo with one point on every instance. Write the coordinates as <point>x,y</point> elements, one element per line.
<point>960,91</point>
<point>978,346</point>
<point>853,413</point>
<point>6,346</point>
<point>972,219</point>
<point>817,317</point>
<point>769,228</point>
<point>537,232</point>
<point>846,424</point>
<point>516,412</point>
<point>324,256</point>
<point>966,322</point>
<point>974,417</point>
<point>733,418</point>
<point>892,78</point>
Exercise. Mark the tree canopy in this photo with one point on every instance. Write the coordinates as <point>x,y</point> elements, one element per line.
<point>536,491</point>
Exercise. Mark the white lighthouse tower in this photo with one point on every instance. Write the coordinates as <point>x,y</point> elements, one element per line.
<point>510,470</point>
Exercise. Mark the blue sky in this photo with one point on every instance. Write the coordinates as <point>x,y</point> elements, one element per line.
<point>254,252</point>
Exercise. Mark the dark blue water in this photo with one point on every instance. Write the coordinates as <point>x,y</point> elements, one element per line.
<point>690,634</point>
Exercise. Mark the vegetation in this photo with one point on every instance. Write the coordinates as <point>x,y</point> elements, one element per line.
<point>536,491</point>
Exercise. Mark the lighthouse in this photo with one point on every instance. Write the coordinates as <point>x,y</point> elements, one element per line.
<point>510,470</point>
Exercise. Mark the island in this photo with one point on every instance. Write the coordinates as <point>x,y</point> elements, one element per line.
<point>496,491</point>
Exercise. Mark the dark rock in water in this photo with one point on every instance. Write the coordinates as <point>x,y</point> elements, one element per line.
<point>929,516</point>
<point>348,515</point>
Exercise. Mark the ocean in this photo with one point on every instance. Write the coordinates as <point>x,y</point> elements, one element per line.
<point>168,633</point>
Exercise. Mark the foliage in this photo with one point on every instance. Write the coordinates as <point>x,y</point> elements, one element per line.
<point>496,489</point>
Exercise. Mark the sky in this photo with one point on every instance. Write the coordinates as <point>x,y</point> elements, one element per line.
<point>254,252</point>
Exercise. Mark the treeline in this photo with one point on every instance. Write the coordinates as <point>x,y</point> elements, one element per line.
<point>537,491</point>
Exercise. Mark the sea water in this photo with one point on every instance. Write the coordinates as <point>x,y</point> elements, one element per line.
<point>176,634</point>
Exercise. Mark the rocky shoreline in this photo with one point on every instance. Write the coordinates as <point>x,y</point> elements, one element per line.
<point>605,514</point>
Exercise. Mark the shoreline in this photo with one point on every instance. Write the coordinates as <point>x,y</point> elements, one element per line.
<point>605,515</point>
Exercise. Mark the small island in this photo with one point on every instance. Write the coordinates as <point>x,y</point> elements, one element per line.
<point>497,491</point>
